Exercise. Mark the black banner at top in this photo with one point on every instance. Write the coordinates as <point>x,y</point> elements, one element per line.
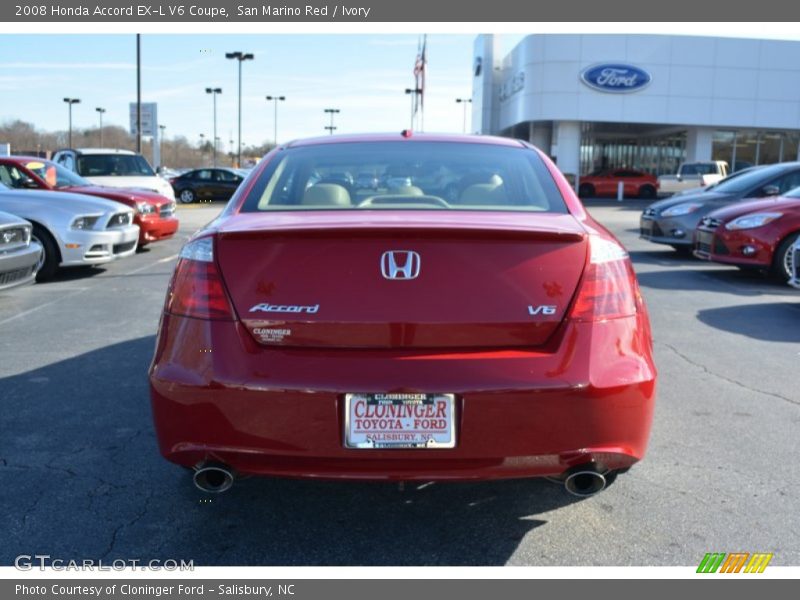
<point>175,11</point>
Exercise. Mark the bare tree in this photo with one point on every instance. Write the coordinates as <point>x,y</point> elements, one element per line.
<point>175,152</point>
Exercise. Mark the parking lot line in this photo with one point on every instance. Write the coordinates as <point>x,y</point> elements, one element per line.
<point>45,305</point>
<point>85,289</point>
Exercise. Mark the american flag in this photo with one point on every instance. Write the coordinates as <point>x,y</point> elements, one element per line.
<point>419,74</point>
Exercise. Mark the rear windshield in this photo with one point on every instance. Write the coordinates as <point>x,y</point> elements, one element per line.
<point>414,175</point>
<point>110,165</point>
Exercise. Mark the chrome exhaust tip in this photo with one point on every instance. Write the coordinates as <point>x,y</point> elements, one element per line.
<point>584,481</point>
<point>213,478</point>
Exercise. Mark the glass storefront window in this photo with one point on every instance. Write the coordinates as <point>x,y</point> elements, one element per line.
<point>791,146</point>
<point>747,148</point>
<point>609,150</point>
<point>722,147</point>
<point>619,146</point>
<point>771,148</point>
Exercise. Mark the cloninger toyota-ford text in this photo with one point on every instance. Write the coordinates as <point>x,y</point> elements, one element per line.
<point>460,316</point>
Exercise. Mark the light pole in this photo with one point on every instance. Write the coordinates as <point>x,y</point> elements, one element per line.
<point>100,112</point>
<point>413,92</point>
<point>214,92</point>
<point>161,129</point>
<point>70,102</point>
<point>276,99</point>
<point>332,112</point>
<point>139,93</point>
<point>240,57</point>
<point>464,101</point>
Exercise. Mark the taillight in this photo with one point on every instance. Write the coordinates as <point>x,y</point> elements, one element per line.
<point>608,289</point>
<point>197,289</point>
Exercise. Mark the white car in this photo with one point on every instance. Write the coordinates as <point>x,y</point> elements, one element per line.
<point>114,168</point>
<point>73,229</point>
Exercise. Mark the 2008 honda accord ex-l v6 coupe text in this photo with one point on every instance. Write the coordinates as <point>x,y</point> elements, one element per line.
<point>320,329</point>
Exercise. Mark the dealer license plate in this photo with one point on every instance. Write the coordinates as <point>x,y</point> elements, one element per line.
<point>399,421</point>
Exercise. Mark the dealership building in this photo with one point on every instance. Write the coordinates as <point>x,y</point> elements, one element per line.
<point>645,102</point>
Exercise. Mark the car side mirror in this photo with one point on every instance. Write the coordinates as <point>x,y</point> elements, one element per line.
<point>771,190</point>
<point>29,184</point>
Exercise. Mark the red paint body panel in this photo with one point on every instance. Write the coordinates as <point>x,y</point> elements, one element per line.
<point>537,260</point>
<point>726,245</point>
<point>152,227</point>
<point>533,397</point>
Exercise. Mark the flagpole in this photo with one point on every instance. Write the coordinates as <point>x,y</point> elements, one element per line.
<point>418,110</point>
<point>422,87</point>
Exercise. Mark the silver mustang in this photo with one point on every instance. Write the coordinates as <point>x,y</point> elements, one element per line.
<point>73,229</point>
<point>20,256</point>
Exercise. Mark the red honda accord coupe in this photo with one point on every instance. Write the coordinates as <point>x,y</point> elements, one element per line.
<point>155,214</point>
<point>316,330</point>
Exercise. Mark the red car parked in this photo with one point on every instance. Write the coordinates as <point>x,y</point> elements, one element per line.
<point>155,214</point>
<point>606,182</point>
<point>390,334</point>
<point>754,234</point>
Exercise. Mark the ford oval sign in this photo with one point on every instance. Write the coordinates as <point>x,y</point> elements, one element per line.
<point>613,77</point>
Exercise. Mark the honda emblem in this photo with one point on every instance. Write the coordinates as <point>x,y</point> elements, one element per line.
<point>400,264</point>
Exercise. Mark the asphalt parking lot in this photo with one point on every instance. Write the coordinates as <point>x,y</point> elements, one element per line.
<point>82,477</point>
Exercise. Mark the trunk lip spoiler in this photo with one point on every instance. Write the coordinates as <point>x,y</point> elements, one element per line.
<point>556,227</point>
<point>550,235</point>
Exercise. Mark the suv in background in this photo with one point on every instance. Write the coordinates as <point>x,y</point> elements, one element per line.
<point>114,168</point>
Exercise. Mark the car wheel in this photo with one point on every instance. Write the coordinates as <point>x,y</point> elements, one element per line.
<point>782,261</point>
<point>586,190</point>
<point>647,192</point>
<point>186,196</point>
<point>48,264</point>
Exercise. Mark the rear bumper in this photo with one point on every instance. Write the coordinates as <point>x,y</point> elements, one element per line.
<point>218,396</point>
<point>156,228</point>
<point>19,267</point>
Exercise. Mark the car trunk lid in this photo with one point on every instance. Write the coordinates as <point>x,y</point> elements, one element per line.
<point>418,279</point>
